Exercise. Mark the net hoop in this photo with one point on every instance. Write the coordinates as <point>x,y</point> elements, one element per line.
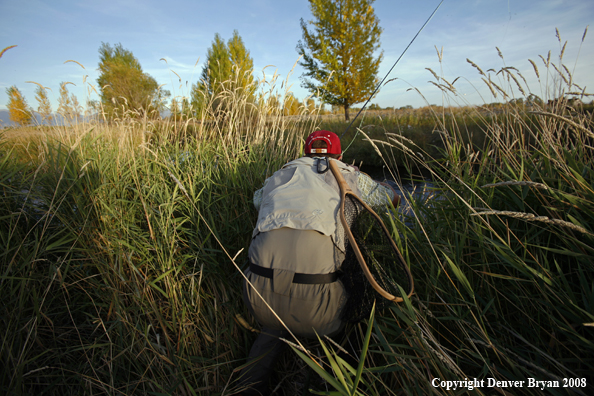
<point>344,191</point>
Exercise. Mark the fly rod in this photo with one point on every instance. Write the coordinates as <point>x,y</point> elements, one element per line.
<point>394,65</point>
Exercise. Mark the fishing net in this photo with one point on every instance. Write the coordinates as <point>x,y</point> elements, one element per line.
<point>380,255</point>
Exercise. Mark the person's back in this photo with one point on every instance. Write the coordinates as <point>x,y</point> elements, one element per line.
<point>297,249</point>
<point>295,252</point>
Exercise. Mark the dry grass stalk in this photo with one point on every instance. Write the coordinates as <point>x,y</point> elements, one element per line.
<point>432,72</point>
<point>518,183</point>
<point>564,119</point>
<point>569,75</point>
<point>520,359</point>
<point>560,74</point>
<point>6,49</point>
<point>503,92</point>
<point>563,50</point>
<point>450,85</point>
<point>488,82</point>
<point>394,136</point>
<point>400,144</point>
<point>534,67</point>
<point>476,67</point>
<point>518,84</point>
<point>531,217</point>
<point>439,53</point>
<point>546,61</point>
<point>70,60</point>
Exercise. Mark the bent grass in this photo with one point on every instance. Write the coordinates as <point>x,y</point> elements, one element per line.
<point>113,281</point>
<point>501,260</point>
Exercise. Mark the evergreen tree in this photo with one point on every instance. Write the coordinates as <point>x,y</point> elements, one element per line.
<point>45,107</point>
<point>18,109</point>
<point>242,64</point>
<point>338,52</point>
<point>124,87</point>
<point>217,69</point>
<point>228,67</point>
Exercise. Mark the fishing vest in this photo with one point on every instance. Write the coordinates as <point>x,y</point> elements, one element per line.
<point>304,195</point>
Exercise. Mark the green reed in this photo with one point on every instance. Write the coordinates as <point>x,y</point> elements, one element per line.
<point>501,253</point>
<point>114,282</point>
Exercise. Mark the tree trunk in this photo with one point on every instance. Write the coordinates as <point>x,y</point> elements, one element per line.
<point>346,112</point>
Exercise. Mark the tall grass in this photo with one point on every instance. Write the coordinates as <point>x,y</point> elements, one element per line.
<point>501,253</point>
<point>114,282</point>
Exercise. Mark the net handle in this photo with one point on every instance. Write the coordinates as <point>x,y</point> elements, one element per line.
<point>344,190</point>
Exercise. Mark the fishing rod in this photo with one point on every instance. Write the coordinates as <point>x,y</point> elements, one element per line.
<point>394,65</point>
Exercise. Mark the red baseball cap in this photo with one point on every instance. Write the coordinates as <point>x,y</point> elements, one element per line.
<point>332,143</point>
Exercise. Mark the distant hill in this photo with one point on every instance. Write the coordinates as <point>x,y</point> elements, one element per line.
<point>56,120</point>
<point>5,119</point>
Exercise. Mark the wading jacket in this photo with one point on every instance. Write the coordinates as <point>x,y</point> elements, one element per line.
<point>304,195</point>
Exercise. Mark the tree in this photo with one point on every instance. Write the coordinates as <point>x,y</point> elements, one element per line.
<point>310,105</point>
<point>45,107</point>
<point>291,105</point>
<point>533,100</point>
<point>273,105</point>
<point>124,87</point>
<point>18,109</point>
<point>242,64</point>
<point>228,67</point>
<point>338,52</point>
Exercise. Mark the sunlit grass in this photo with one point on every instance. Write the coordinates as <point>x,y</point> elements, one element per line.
<point>501,256</point>
<point>114,282</point>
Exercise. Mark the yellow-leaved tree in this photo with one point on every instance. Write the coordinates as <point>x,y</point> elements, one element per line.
<point>228,69</point>
<point>19,111</point>
<point>339,52</point>
<point>291,105</point>
<point>124,88</point>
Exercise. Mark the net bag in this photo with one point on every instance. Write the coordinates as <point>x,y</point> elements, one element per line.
<point>373,266</point>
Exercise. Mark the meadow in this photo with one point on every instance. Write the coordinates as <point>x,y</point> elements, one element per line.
<point>122,245</point>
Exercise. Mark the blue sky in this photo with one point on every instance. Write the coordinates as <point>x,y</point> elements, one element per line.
<point>49,33</point>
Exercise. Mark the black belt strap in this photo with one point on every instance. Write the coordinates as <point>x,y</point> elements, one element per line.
<point>307,279</point>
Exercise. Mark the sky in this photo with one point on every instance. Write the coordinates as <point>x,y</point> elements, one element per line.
<point>174,36</point>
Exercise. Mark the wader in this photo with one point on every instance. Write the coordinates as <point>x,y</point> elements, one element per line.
<point>295,254</point>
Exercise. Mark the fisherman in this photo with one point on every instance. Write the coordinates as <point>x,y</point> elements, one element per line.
<point>297,249</point>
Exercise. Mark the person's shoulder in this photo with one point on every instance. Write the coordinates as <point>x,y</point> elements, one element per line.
<point>299,161</point>
<point>346,167</point>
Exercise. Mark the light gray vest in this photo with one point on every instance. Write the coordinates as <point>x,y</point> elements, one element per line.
<point>299,197</point>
